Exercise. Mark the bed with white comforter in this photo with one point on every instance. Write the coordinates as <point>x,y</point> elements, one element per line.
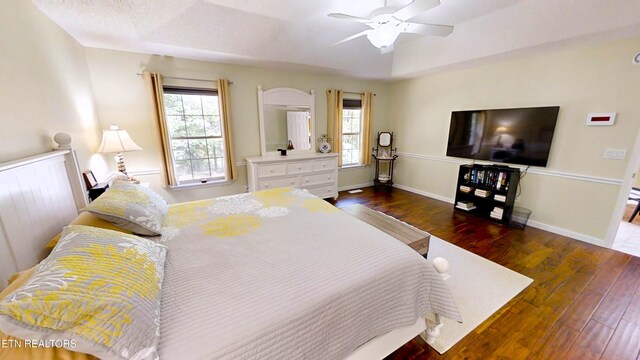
<point>281,274</point>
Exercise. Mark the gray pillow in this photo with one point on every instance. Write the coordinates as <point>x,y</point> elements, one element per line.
<point>97,293</point>
<point>131,207</point>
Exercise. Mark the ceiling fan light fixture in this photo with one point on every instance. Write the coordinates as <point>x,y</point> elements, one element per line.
<point>387,23</point>
<point>383,36</point>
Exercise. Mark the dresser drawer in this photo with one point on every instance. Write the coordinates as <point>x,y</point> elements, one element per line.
<point>323,191</point>
<point>267,170</point>
<point>327,164</point>
<point>298,167</point>
<point>319,179</point>
<point>293,181</point>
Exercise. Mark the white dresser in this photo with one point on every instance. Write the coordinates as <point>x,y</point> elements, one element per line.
<point>315,172</point>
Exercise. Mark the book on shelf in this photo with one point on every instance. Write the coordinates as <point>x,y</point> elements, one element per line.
<point>465,189</point>
<point>499,197</point>
<point>490,178</point>
<point>482,193</point>
<point>465,208</point>
<point>465,205</point>
<point>497,213</point>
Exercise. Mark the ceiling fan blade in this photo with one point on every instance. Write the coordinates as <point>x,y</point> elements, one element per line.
<point>386,50</point>
<point>427,29</point>
<point>349,17</point>
<point>362,33</point>
<point>414,9</point>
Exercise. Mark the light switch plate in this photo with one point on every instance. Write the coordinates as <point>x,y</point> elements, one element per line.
<point>615,154</point>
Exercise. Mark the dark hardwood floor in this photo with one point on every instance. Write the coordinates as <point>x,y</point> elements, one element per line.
<point>584,302</point>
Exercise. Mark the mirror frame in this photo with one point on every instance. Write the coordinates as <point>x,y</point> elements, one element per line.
<point>380,138</point>
<point>286,96</point>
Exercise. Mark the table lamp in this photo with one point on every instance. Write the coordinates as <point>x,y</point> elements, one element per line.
<point>117,141</point>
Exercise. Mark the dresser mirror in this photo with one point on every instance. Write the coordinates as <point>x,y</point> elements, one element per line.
<point>287,120</point>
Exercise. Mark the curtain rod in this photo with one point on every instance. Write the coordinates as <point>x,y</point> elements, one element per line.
<point>183,78</point>
<point>358,93</point>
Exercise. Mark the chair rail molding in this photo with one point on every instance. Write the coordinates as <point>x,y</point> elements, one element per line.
<point>538,171</point>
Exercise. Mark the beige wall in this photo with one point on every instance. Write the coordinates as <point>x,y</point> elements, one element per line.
<point>45,86</point>
<point>122,98</point>
<point>583,80</point>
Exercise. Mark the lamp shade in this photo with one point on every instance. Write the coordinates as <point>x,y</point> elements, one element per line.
<point>116,140</point>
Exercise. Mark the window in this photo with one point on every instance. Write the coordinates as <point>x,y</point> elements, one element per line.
<point>196,134</point>
<point>351,132</point>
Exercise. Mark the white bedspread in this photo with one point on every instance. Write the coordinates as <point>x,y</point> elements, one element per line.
<point>283,275</point>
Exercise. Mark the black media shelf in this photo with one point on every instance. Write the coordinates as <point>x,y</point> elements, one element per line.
<point>487,191</point>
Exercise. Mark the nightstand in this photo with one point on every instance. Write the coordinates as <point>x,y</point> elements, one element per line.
<point>97,190</point>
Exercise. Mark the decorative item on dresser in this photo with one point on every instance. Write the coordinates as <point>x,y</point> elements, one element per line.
<point>384,154</point>
<point>325,144</point>
<point>315,172</point>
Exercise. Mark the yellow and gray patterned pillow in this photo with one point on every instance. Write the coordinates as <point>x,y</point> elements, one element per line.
<point>97,293</point>
<point>131,207</point>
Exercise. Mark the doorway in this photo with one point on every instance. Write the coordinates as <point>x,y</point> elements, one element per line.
<point>624,235</point>
<point>628,236</point>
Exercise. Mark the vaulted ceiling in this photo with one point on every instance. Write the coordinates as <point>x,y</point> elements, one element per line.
<point>297,34</point>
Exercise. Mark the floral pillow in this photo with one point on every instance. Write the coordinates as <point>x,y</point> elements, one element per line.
<point>97,293</point>
<point>131,207</point>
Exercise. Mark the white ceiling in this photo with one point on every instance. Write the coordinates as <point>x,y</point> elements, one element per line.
<point>297,34</point>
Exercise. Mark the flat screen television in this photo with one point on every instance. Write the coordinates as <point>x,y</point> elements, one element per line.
<point>516,136</point>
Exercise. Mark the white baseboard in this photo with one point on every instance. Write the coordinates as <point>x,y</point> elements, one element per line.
<point>567,233</point>
<point>355,186</point>
<point>532,223</point>
<point>424,193</point>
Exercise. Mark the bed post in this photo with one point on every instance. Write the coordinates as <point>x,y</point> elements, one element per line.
<point>78,187</point>
<point>433,326</point>
<point>433,329</point>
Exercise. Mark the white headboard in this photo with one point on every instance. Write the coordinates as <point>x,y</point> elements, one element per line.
<point>39,195</point>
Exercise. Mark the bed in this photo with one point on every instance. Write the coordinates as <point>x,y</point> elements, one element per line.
<point>283,274</point>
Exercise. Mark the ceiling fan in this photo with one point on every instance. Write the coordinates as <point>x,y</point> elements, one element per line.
<point>386,23</point>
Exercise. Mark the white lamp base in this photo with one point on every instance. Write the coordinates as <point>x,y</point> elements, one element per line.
<point>120,163</point>
<point>123,169</point>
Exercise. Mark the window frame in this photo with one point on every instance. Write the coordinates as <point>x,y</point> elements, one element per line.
<point>180,90</point>
<point>352,104</point>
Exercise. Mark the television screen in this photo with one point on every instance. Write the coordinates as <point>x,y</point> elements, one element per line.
<point>517,136</point>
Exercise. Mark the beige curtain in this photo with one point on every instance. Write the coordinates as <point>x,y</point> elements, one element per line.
<point>334,121</point>
<point>366,127</point>
<point>225,120</point>
<point>154,84</point>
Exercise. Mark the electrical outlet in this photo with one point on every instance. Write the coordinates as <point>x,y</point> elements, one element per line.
<point>615,154</point>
